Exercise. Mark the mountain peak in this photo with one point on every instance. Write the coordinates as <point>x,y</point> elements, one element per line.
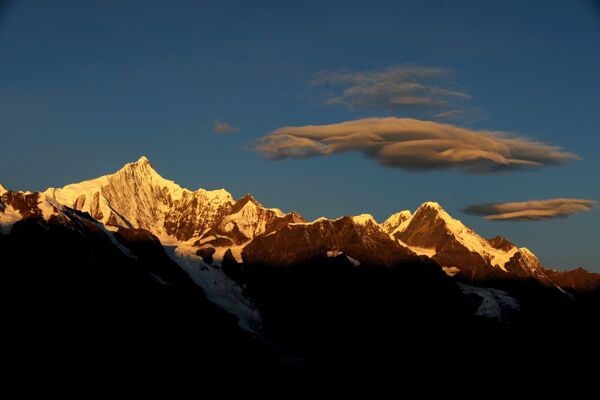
<point>243,201</point>
<point>396,220</point>
<point>431,210</point>
<point>2,189</point>
<point>142,164</point>
<point>363,219</point>
<point>432,205</point>
<point>501,243</point>
<point>248,198</point>
<point>526,251</point>
<point>431,227</point>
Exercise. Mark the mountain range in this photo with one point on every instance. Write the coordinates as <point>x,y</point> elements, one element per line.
<point>134,243</point>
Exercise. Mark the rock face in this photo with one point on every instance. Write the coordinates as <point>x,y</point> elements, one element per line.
<point>432,231</point>
<point>578,280</point>
<point>394,222</point>
<point>245,220</point>
<point>136,196</point>
<point>360,239</point>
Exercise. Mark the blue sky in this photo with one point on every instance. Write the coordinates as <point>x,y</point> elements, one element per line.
<point>88,86</point>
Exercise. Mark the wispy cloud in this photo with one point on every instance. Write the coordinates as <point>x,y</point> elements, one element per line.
<point>413,144</point>
<point>453,115</point>
<point>399,88</point>
<point>224,127</point>
<point>533,210</point>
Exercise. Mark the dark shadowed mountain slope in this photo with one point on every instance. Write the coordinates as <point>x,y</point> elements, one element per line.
<point>77,297</point>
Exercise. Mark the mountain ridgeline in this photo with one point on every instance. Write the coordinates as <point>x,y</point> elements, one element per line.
<point>262,290</point>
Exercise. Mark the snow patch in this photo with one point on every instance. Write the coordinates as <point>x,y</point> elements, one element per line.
<point>113,239</point>
<point>218,287</point>
<point>364,219</point>
<point>395,220</point>
<point>530,259</point>
<point>450,271</point>
<point>423,251</point>
<point>251,220</point>
<point>219,196</point>
<point>318,220</point>
<point>158,279</point>
<point>353,261</point>
<point>236,252</point>
<point>277,212</point>
<point>495,303</point>
<point>8,218</point>
<point>48,210</point>
<point>206,239</point>
<point>334,253</point>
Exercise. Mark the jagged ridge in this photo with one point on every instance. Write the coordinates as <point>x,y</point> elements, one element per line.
<point>214,223</point>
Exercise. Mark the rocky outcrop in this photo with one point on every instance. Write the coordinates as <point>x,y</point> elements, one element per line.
<point>299,243</point>
<point>247,219</point>
<point>501,243</point>
<point>25,204</point>
<point>578,280</point>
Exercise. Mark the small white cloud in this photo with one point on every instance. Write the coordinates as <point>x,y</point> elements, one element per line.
<point>224,127</point>
<point>533,210</point>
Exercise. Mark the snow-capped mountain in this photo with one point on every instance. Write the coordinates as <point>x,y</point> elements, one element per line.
<point>133,246</point>
<point>137,196</point>
<point>212,225</point>
<point>396,220</point>
<point>458,249</point>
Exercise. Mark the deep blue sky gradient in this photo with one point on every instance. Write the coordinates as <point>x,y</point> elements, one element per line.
<point>86,86</point>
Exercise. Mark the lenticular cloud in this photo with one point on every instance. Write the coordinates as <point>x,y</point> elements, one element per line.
<point>533,210</point>
<point>413,144</point>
